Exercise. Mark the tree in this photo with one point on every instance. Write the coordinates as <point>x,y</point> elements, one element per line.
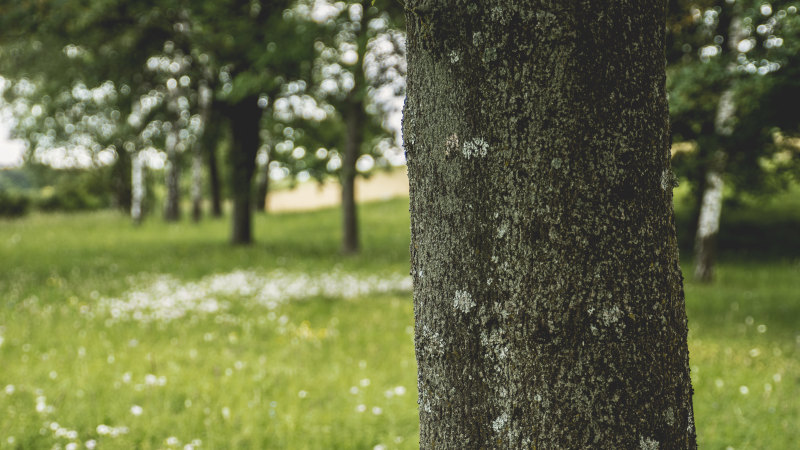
<point>258,48</point>
<point>360,51</point>
<point>727,60</point>
<point>547,292</point>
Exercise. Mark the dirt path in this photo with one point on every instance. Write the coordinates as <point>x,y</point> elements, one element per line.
<point>312,195</point>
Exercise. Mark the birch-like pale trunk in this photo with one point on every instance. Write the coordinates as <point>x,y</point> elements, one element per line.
<point>548,297</point>
<point>711,206</point>
<point>172,212</point>
<point>262,181</point>
<point>198,151</point>
<point>137,188</point>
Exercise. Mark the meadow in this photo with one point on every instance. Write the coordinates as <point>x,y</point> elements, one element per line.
<point>164,336</point>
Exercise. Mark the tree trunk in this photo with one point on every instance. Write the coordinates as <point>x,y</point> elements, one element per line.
<point>121,173</point>
<point>547,292</point>
<point>172,211</point>
<point>204,103</point>
<point>210,139</point>
<point>245,119</point>
<point>262,186</point>
<point>705,242</point>
<point>138,188</point>
<point>355,118</point>
<point>352,149</point>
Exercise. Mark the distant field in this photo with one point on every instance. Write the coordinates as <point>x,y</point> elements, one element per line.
<point>163,336</point>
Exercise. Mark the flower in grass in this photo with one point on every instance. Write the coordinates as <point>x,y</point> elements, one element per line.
<point>165,298</point>
<point>172,441</point>
<point>71,446</point>
<point>137,410</point>
<point>105,430</point>
<point>91,444</point>
<point>361,408</point>
<point>377,410</point>
<point>41,405</point>
<point>10,389</point>
<point>152,380</point>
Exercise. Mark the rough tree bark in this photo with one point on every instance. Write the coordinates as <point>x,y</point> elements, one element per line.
<point>355,120</point>
<point>245,119</point>
<point>548,297</point>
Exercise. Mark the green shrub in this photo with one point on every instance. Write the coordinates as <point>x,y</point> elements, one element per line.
<point>13,204</point>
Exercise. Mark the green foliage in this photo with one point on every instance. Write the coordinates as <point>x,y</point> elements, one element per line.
<point>748,49</point>
<point>13,204</point>
<point>74,189</point>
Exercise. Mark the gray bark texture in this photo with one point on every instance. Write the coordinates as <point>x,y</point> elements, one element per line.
<point>548,298</point>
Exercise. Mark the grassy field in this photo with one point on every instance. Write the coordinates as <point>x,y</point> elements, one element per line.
<point>163,336</point>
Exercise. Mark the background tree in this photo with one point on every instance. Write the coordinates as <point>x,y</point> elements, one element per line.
<point>359,52</point>
<point>548,297</point>
<point>725,57</point>
<point>258,48</point>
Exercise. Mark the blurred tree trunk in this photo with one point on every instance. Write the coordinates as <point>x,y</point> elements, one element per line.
<point>262,185</point>
<point>138,188</point>
<point>354,118</point>
<point>245,120</point>
<point>355,121</point>
<point>711,207</point>
<point>197,183</point>
<point>172,211</point>
<point>121,178</point>
<point>708,221</point>
<point>204,103</point>
<point>211,138</point>
<point>548,297</point>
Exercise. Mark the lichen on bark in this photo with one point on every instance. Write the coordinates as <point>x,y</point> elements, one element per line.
<point>548,298</point>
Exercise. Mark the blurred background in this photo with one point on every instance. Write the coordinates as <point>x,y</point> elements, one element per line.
<point>204,222</point>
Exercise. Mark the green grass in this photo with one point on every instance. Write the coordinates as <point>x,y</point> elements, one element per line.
<point>326,370</point>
